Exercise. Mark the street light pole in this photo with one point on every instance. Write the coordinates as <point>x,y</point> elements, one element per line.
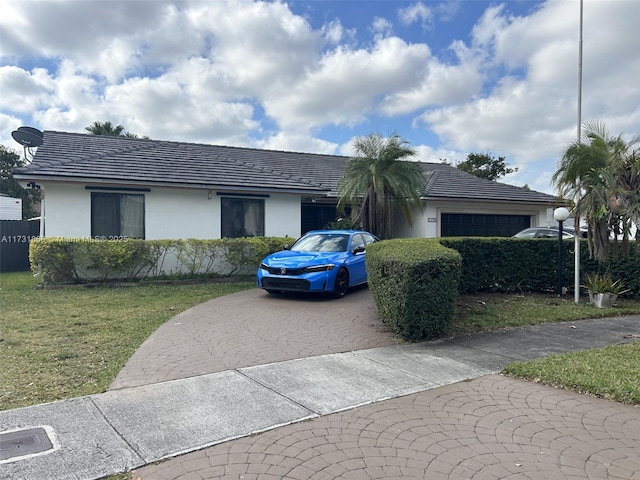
<point>560,214</point>
<point>576,273</point>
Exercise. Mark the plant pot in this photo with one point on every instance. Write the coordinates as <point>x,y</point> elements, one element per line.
<point>604,300</point>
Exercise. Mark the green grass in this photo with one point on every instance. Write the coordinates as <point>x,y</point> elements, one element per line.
<point>611,372</point>
<point>493,311</point>
<point>58,344</point>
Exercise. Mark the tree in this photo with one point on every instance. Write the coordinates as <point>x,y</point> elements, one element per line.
<point>603,173</point>
<point>485,166</point>
<point>10,186</point>
<point>105,128</point>
<point>108,129</point>
<point>377,179</point>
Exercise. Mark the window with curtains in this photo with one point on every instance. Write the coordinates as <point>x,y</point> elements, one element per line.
<point>117,215</point>
<point>242,217</point>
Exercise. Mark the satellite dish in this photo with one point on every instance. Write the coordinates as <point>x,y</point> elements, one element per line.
<point>26,137</point>
<point>32,130</point>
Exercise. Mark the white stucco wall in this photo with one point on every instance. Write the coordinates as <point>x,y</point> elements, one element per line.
<point>181,213</point>
<point>67,210</point>
<point>282,216</point>
<point>170,213</point>
<point>427,223</point>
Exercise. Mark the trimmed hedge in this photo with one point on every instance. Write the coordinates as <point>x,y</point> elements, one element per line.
<point>508,264</point>
<point>522,265</point>
<point>414,283</point>
<point>623,267</point>
<point>65,261</point>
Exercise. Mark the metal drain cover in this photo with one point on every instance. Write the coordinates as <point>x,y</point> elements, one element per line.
<point>21,443</point>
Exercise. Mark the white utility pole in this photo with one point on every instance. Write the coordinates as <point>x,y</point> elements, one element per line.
<point>577,198</point>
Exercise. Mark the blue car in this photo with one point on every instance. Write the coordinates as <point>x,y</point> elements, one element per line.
<point>328,261</point>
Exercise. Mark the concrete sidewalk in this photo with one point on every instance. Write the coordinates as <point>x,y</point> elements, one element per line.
<point>128,428</point>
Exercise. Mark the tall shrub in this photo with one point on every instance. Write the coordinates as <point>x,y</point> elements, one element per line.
<point>414,283</point>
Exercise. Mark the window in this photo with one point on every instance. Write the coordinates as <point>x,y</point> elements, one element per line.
<point>242,217</point>
<point>362,240</point>
<point>358,241</point>
<point>117,215</point>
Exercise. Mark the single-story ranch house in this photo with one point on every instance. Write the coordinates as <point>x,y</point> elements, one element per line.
<point>114,187</point>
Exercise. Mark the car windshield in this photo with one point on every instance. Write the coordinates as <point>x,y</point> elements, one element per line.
<point>322,242</point>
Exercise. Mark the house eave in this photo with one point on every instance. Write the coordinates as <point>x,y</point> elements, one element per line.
<point>542,202</point>
<point>149,184</point>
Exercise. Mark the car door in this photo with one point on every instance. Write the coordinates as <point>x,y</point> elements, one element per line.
<point>357,270</point>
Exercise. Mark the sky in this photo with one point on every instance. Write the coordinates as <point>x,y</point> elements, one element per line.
<point>450,77</point>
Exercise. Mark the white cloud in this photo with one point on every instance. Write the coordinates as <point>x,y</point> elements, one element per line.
<point>345,86</point>
<point>441,85</point>
<point>333,32</point>
<point>22,91</point>
<point>418,12</point>
<point>382,27</point>
<point>297,143</point>
<point>8,124</point>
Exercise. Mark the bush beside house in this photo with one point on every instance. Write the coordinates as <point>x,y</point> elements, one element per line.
<point>78,261</point>
<point>414,283</point>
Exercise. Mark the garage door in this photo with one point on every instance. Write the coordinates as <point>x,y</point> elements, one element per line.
<point>478,225</point>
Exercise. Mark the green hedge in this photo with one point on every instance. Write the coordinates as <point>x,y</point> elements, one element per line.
<point>520,265</point>
<point>623,267</point>
<point>64,261</point>
<point>414,283</point>
<point>507,264</point>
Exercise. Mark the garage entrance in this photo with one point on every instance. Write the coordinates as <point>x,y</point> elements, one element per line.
<point>480,225</point>
<point>315,216</point>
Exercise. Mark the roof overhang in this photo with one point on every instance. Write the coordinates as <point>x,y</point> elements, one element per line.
<point>541,202</point>
<point>25,179</point>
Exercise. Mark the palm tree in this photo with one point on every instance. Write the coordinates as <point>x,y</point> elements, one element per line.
<point>603,172</point>
<point>106,128</point>
<point>377,179</point>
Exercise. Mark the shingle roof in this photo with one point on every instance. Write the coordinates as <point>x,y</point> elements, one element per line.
<point>445,181</point>
<point>84,157</point>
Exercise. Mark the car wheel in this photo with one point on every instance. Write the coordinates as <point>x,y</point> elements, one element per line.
<point>341,285</point>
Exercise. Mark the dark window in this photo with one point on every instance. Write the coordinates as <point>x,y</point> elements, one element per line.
<point>316,216</point>
<point>117,215</point>
<point>242,217</point>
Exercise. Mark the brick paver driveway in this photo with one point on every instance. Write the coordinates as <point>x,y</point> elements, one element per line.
<point>254,328</point>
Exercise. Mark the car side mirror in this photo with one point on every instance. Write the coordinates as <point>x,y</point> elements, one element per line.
<point>287,247</point>
<point>359,249</point>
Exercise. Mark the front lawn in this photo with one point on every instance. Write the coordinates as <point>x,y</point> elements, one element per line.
<point>58,344</point>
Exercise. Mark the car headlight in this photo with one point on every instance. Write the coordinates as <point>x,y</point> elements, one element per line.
<point>319,268</point>
<point>264,266</point>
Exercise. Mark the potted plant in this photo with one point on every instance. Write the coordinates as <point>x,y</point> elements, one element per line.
<point>603,290</point>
